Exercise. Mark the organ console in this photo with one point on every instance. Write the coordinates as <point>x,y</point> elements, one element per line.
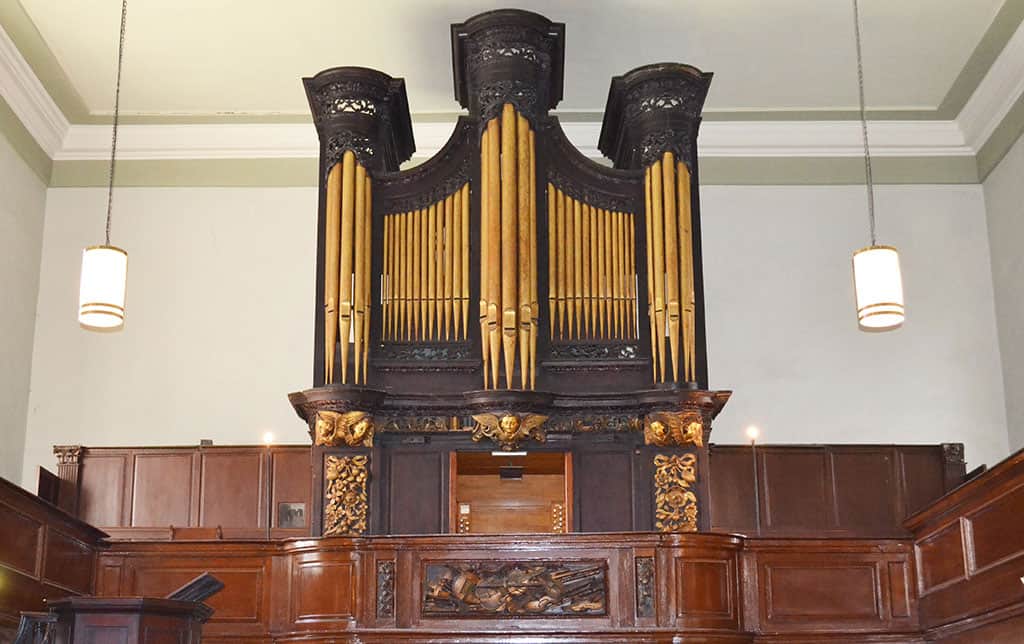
<point>585,277</point>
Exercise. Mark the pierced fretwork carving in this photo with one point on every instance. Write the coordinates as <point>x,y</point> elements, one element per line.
<point>645,586</point>
<point>386,588</point>
<point>346,502</point>
<point>675,499</point>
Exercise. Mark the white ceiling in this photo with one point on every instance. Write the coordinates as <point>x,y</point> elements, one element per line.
<point>200,57</point>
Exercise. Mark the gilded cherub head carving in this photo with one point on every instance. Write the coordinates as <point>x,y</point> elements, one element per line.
<point>353,429</point>
<point>665,428</point>
<point>509,430</point>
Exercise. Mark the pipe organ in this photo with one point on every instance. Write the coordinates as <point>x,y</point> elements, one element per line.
<point>510,291</point>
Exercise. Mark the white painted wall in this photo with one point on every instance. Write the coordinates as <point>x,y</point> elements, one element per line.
<point>220,319</point>
<point>1004,201</point>
<point>782,324</point>
<point>22,200</point>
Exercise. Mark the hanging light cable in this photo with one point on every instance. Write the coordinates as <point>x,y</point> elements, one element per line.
<point>101,292</point>
<point>876,269</point>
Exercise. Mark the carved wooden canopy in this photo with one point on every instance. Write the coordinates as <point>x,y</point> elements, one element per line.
<point>509,274</point>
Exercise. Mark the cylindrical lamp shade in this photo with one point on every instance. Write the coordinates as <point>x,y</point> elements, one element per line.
<point>102,289</point>
<point>879,286</point>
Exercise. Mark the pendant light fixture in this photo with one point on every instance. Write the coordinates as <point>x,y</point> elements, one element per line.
<point>101,291</point>
<point>876,269</point>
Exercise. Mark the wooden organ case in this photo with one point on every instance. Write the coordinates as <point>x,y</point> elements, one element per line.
<point>509,294</point>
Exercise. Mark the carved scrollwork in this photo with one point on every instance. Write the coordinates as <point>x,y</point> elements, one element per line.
<point>680,93</point>
<point>523,96</point>
<point>509,430</point>
<point>645,586</point>
<point>675,501</point>
<point>417,424</point>
<point>353,429</point>
<point>347,97</point>
<point>341,142</point>
<point>680,142</point>
<point>423,352</point>
<point>345,502</point>
<point>608,423</point>
<point>594,351</point>
<point>508,589</point>
<point>386,588</point>
<point>663,428</point>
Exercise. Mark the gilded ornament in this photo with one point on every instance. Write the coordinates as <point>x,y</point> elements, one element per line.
<point>346,503</point>
<point>509,430</point>
<point>352,428</point>
<point>675,501</point>
<point>663,428</point>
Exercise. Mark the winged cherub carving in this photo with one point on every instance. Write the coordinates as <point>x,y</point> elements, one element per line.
<point>509,429</point>
<point>664,428</point>
<point>351,428</point>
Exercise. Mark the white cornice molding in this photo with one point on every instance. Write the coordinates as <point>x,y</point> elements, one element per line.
<point>1001,88</point>
<point>718,139</point>
<point>29,100</point>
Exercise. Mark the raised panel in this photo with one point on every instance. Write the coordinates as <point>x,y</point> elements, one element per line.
<point>239,602</point>
<point>865,491</point>
<point>921,473</point>
<point>940,558</point>
<point>292,476</point>
<point>899,589</point>
<point>162,489</point>
<point>101,499</point>
<point>814,592</point>
<point>602,482</point>
<point>732,486</point>
<point>997,530</point>
<point>323,590</point>
<point>416,493</point>
<point>20,537</point>
<point>231,489</point>
<point>705,587</point>
<point>796,491</point>
<point>68,562</point>
<point>101,633</point>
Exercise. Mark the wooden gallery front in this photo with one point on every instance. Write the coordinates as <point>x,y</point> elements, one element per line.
<point>511,417</point>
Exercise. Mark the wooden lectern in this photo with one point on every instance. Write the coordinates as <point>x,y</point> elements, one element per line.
<point>116,620</point>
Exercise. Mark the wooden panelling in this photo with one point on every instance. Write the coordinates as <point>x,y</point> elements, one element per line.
<point>324,589</point>
<point>68,561</point>
<point>103,479</point>
<point>601,507</point>
<point>833,490</point>
<point>970,551</point>
<point>732,495</point>
<point>801,476</point>
<point>162,489</point>
<point>292,484</point>
<point>706,588</point>
<point>138,493</point>
<point>940,559</point>
<point>787,587</point>
<point>45,554</point>
<point>22,538</point>
<point>863,485</point>
<point>421,512</point>
<point>232,489</point>
<point>240,602</point>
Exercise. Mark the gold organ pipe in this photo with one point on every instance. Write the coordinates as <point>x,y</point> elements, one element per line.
<point>457,262</point>
<point>509,217</point>
<point>570,262</point>
<point>535,309</point>
<point>485,265</point>
<point>357,270</point>
<point>523,242</point>
<point>367,270</point>
<point>552,258</point>
<point>430,259</point>
<point>438,251</point>
<point>347,247</point>
<point>631,275</point>
<point>332,245</point>
<point>602,279</point>
<point>561,247</point>
<point>448,258</point>
<point>668,169</point>
<point>464,251</point>
<point>578,252</point>
<point>411,239</point>
<point>400,267</point>
<point>494,201</point>
<point>585,252</point>
<point>686,269</point>
<point>595,289</point>
<point>650,273</point>
<point>658,230</point>
<point>424,287</point>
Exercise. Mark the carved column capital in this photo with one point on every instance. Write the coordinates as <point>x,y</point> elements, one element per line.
<point>67,454</point>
